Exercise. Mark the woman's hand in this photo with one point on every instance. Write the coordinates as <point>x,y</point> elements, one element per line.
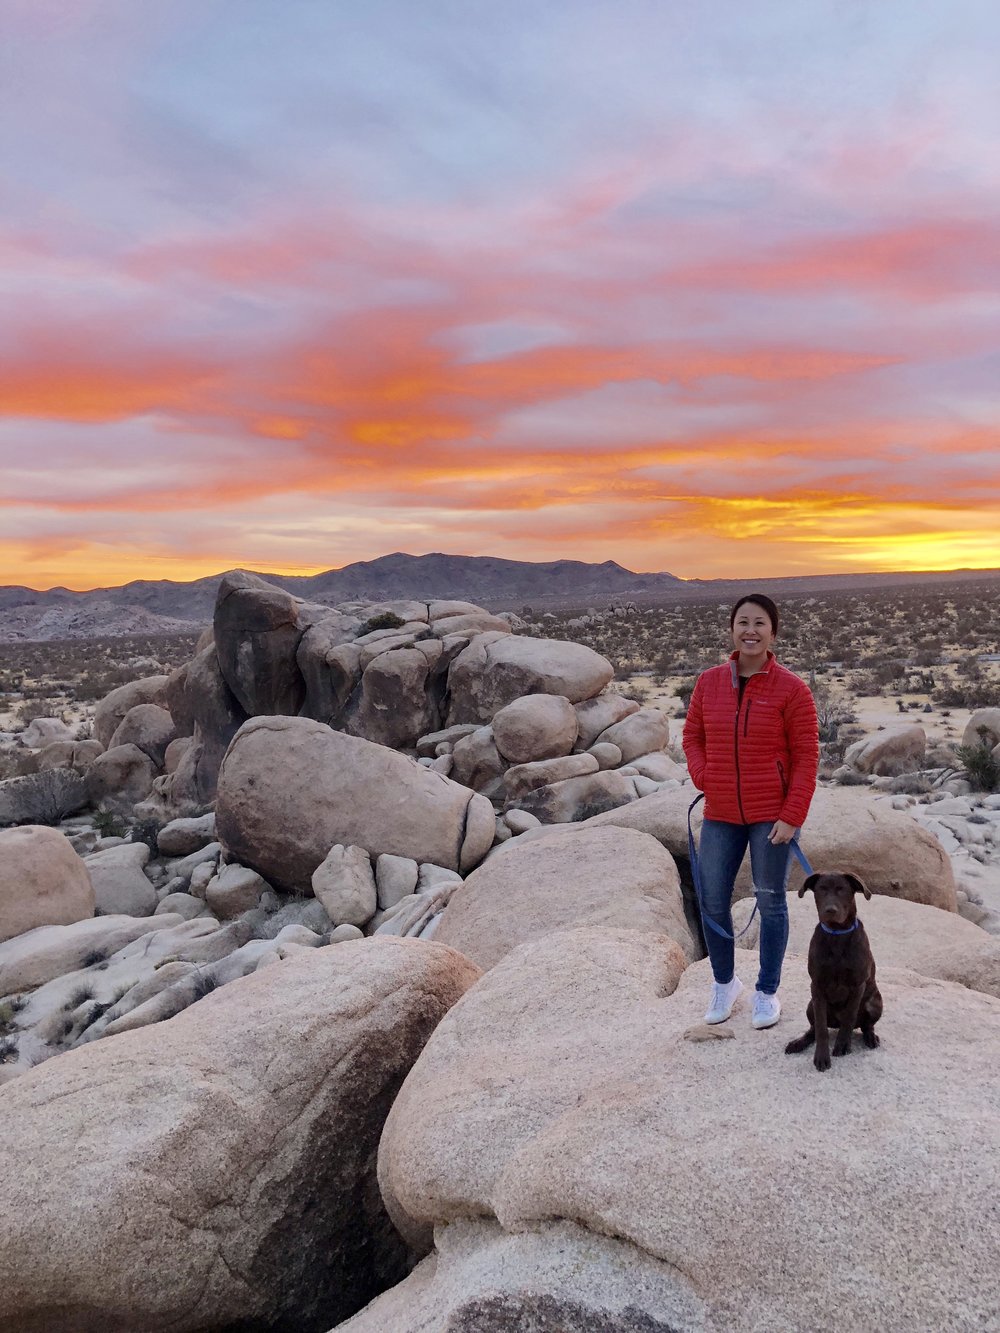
<point>781,832</point>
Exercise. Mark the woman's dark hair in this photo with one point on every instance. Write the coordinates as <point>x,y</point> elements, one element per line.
<point>760,600</point>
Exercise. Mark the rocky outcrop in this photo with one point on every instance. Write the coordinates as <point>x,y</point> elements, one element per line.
<point>291,788</point>
<point>395,705</point>
<point>42,881</point>
<point>594,1102</point>
<point>230,1180</point>
<point>608,877</point>
<point>257,634</point>
<point>215,716</point>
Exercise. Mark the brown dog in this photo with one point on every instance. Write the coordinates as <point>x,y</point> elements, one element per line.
<point>842,971</point>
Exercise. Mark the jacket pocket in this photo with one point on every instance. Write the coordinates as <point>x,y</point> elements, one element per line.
<point>782,778</point>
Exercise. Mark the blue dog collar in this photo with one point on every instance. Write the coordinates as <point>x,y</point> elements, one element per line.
<point>830,931</point>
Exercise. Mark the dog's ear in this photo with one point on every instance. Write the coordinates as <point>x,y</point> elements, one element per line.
<point>809,883</point>
<point>858,885</point>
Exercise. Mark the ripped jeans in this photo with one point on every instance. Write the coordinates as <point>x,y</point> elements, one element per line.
<point>721,851</point>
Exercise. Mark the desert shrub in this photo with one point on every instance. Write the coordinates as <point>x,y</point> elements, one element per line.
<point>384,620</point>
<point>79,996</point>
<point>29,709</point>
<point>204,985</point>
<point>8,1051</point>
<point>109,823</point>
<point>684,691</point>
<point>972,694</point>
<point>637,693</point>
<point>982,768</point>
<point>147,831</point>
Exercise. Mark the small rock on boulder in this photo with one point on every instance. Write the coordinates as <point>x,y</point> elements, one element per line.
<point>642,732</point>
<point>344,882</point>
<point>537,726</point>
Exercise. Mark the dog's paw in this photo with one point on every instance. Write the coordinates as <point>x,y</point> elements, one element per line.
<point>842,1047</point>
<point>822,1060</point>
<point>870,1039</point>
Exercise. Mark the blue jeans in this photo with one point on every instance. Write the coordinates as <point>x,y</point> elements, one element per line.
<point>721,853</point>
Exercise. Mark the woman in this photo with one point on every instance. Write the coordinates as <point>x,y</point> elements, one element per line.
<point>752,746</point>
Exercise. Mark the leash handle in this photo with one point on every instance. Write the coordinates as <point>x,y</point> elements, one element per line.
<point>797,851</point>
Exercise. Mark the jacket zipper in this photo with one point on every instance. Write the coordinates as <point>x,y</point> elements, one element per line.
<point>781,775</point>
<point>746,718</point>
<point>736,753</point>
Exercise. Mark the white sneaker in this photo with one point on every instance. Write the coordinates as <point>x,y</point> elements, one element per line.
<point>766,1010</point>
<point>723,1000</point>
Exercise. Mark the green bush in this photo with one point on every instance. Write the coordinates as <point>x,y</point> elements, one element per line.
<point>982,768</point>
<point>384,620</point>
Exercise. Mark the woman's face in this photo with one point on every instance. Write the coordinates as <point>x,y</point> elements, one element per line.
<point>752,632</point>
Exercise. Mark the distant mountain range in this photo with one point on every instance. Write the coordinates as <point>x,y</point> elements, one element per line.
<point>165,607</point>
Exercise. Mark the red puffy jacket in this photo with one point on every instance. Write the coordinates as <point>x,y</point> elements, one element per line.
<point>756,758</point>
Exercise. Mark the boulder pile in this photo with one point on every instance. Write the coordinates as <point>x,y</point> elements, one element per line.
<point>395,884</point>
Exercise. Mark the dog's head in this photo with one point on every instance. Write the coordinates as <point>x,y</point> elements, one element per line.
<point>834,893</point>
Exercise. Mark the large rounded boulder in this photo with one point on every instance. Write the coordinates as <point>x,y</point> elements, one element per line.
<point>495,669</point>
<point>846,830</point>
<point>608,877</point>
<point>218,1171</point>
<point>575,1081</point>
<point>42,881</point>
<point>290,789</point>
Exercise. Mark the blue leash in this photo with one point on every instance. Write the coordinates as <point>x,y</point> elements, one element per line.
<point>797,851</point>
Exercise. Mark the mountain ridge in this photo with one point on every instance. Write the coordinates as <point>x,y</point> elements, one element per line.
<point>167,606</point>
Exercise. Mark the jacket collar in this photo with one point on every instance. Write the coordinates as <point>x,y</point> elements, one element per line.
<point>734,666</point>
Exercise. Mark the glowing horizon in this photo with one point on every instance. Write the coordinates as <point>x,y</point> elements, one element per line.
<point>704,294</point>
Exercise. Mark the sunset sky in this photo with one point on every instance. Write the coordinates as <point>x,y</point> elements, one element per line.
<point>707,287</point>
